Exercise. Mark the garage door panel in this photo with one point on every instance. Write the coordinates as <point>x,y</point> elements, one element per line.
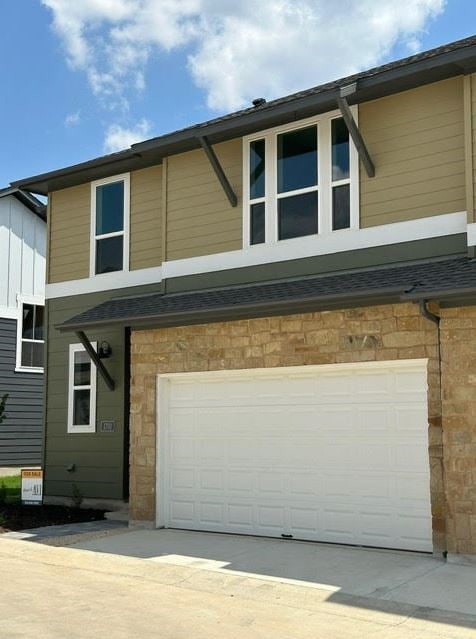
<point>182,512</point>
<point>240,515</point>
<point>182,450</point>
<point>211,513</point>
<point>338,457</point>
<point>210,479</point>
<point>304,521</point>
<point>304,484</point>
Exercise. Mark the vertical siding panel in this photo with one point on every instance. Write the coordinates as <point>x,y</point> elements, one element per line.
<point>5,249</point>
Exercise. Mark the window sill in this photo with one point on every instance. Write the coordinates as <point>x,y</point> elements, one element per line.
<point>24,369</point>
<point>81,430</point>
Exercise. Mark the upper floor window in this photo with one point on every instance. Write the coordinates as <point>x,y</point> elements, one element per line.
<point>302,180</point>
<point>31,342</point>
<point>110,224</point>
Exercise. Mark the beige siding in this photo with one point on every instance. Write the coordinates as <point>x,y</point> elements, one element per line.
<point>473,141</point>
<point>416,139</point>
<point>200,220</point>
<point>146,218</point>
<point>69,233</point>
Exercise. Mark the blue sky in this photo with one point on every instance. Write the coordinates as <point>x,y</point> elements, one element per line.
<point>79,82</point>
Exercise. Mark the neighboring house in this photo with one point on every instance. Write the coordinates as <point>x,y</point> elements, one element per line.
<point>22,299</point>
<point>270,305</point>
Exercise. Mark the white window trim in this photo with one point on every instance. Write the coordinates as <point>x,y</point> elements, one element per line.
<point>35,300</point>
<point>85,428</point>
<point>324,186</point>
<point>124,177</point>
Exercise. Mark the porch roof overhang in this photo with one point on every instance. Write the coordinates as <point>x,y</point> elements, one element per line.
<point>451,281</point>
<point>456,58</point>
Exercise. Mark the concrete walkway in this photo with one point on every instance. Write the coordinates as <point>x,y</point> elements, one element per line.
<point>176,585</point>
<point>67,534</point>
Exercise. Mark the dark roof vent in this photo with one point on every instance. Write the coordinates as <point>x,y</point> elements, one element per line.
<point>258,102</point>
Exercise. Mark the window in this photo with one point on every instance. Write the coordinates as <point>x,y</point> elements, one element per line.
<point>340,175</point>
<point>82,391</point>
<point>110,222</point>
<point>31,342</point>
<point>257,191</point>
<point>302,181</point>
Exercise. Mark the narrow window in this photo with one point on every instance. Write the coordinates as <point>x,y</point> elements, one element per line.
<point>297,183</point>
<point>257,192</point>
<point>340,175</point>
<point>82,391</point>
<point>32,339</point>
<point>109,238</point>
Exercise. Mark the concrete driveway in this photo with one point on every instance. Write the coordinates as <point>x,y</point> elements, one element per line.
<point>174,584</point>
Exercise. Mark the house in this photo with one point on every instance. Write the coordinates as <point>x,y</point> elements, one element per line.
<point>22,300</point>
<point>266,323</point>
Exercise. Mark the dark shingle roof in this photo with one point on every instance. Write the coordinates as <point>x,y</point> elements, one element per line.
<point>334,84</point>
<point>441,62</point>
<point>411,281</point>
<point>27,199</point>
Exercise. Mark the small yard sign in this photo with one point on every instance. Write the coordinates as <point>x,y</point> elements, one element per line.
<point>32,487</point>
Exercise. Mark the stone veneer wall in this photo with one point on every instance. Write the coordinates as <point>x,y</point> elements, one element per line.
<point>385,332</point>
<point>458,348</point>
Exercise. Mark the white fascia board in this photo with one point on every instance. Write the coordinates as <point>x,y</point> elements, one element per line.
<point>315,245</point>
<point>105,282</point>
<point>472,234</point>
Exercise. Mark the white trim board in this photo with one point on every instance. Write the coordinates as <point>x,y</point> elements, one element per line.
<point>472,234</point>
<point>282,251</point>
<point>311,246</point>
<point>105,282</point>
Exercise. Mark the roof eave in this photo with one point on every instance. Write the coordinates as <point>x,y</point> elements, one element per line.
<point>393,80</point>
<point>244,311</point>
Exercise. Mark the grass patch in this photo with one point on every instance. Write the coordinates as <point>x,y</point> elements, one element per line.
<point>10,489</point>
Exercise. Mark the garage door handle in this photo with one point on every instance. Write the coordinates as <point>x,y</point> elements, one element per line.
<point>286,536</point>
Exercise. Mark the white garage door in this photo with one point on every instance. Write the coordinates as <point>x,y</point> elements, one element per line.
<point>329,453</point>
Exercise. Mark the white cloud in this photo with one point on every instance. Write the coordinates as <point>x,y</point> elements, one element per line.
<point>118,137</point>
<point>239,50</point>
<point>72,119</point>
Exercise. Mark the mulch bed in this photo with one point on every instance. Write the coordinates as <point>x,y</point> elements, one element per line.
<point>18,517</point>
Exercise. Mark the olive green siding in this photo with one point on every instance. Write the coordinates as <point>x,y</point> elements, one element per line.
<point>98,457</point>
<point>416,139</point>
<point>146,218</point>
<point>200,220</point>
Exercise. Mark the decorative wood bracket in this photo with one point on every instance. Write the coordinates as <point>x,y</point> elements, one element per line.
<point>219,172</point>
<point>88,347</point>
<point>354,129</point>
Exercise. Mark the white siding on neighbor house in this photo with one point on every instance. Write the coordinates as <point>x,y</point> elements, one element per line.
<point>22,256</point>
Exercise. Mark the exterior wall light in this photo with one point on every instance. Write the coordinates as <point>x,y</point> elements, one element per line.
<point>105,350</point>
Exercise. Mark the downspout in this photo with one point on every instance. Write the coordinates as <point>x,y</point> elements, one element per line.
<point>433,317</point>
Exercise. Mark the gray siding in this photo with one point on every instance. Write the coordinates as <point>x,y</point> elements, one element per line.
<point>21,433</point>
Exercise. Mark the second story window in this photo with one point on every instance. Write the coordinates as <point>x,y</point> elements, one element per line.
<point>110,217</point>
<point>302,181</point>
